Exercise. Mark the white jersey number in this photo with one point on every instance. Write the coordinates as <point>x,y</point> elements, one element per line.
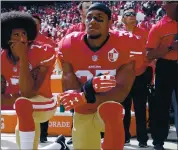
<point>89,75</point>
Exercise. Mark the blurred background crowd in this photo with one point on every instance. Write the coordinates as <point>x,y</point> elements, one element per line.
<point>57,17</point>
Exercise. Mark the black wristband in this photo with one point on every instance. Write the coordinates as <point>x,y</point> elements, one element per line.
<point>89,91</point>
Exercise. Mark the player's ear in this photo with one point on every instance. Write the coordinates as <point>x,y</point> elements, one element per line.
<point>110,23</point>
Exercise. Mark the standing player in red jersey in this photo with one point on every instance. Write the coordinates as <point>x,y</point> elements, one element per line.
<point>95,94</point>
<point>25,79</point>
<point>143,78</point>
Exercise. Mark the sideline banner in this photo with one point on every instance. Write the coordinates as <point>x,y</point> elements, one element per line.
<point>60,124</point>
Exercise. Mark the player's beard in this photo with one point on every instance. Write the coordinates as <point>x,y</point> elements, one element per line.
<point>94,36</point>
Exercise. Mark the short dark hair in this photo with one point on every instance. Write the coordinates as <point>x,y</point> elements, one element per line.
<point>37,17</point>
<point>127,8</point>
<point>101,7</point>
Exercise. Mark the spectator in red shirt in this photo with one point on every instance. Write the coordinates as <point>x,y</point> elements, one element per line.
<point>115,16</point>
<point>82,7</point>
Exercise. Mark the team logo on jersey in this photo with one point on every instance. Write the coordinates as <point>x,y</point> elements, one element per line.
<point>14,80</point>
<point>113,55</point>
<point>30,66</point>
<point>95,58</point>
<point>15,69</point>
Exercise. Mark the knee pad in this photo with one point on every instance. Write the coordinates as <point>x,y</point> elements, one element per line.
<point>24,111</point>
<point>110,111</point>
<point>23,107</point>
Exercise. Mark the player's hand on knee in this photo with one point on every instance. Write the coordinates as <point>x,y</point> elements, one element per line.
<point>103,83</point>
<point>70,100</point>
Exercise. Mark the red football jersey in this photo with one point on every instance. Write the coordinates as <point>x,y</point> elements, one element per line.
<point>44,40</point>
<point>36,55</point>
<point>164,31</point>
<point>118,50</point>
<point>80,27</point>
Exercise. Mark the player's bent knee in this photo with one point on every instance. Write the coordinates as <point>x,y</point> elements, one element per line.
<point>110,111</point>
<point>23,107</point>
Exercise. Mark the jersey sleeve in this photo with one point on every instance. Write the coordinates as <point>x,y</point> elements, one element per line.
<point>62,49</point>
<point>65,46</point>
<point>153,37</point>
<point>49,56</point>
<point>137,51</point>
<point>44,55</point>
<point>133,48</point>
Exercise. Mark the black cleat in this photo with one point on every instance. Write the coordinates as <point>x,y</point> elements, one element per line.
<point>69,142</point>
<point>143,145</point>
<point>127,142</point>
<point>61,140</point>
<point>158,147</point>
<point>43,139</point>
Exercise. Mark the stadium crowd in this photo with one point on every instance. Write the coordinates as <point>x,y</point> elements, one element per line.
<point>58,17</point>
<point>57,20</point>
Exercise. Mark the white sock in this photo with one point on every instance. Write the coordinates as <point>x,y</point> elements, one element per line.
<point>54,145</point>
<point>26,140</point>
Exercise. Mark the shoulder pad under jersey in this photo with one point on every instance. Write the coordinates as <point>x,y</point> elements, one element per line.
<point>44,47</point>
<point>68,40</point>
<point>126,34</point>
